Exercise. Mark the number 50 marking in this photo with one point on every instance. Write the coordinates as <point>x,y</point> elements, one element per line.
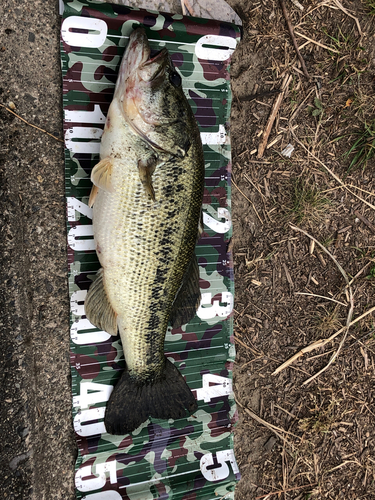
<point>216,309</point>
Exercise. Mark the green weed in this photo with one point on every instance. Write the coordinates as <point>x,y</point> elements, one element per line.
<point>363,148</point>
<point>328,322</point>
<point>327,242</point>
<point>317,110</point>
<point>321,419</point>
<point>371,274</point>
<point>340,42</point>
<point>371,6</point>
<point>308,203</point>
<point>350,63</point>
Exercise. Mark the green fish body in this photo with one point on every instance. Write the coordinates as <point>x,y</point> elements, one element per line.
<point>147,199</point>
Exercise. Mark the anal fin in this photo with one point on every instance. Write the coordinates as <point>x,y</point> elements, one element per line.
<point>98,309</point>
<point>188,297</point>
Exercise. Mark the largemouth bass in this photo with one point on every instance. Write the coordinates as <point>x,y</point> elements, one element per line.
<point>147,198</point>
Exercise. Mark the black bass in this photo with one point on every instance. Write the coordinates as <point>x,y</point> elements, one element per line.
<point>147,199</point>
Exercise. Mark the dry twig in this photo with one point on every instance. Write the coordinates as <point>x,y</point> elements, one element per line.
<point>340,268</point>
<point>317,43</point>
<point>364,220</point>
<point>296,111</point>
<point>321,297</point>
<point>273,428</point>
<point>336,353</point>
<point>187,8</point>
<point>297,4</point>
<point>271,119</point>
<point>291,32</point>
<point>30,124</point>
<point>278,492</point>
<point>236,339</point>
<point>319,343</point>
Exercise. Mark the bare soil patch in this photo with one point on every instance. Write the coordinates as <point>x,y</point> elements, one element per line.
<point>298,440</point>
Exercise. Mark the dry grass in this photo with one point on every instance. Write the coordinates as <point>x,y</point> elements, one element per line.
<point>327,323</point>
<point>295,288</point>
<point>323,416</point>
<point>309,205</point>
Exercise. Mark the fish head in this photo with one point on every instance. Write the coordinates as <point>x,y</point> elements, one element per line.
<point>152,100</point>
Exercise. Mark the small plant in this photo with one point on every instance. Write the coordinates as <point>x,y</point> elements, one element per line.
<point>363,148</point>
<point>308,203</point>
<point>340,42</point>
<point>321,419</point>
<point>328,323</point>
<point>349,56</point>
<point>318,424</point>
<point>362,253</point>
<point>317,110</point>
<point>371,6</point>
<point>371,274</point>
<point>327,242</point>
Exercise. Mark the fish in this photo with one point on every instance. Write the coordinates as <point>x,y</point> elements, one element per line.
<point>147,198</point>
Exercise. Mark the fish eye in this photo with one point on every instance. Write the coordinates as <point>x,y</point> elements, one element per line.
<point>175,79</point>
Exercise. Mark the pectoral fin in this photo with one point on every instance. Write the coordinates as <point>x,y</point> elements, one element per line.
<point>98,309</point>
<point>146,168</point>
<point>101,178</point>
<point>101,174</point>
<point>93,193</point>
<point>188,297</point>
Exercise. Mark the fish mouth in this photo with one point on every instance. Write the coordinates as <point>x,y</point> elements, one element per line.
<point>141,68</point>
<point>140,57</point>
<point>152,67</point>
<point>156,56</point>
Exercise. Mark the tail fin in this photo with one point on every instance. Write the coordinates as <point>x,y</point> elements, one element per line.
<point>132,402</point>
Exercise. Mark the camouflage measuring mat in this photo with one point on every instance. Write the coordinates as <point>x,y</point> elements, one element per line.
<point>191,458</point>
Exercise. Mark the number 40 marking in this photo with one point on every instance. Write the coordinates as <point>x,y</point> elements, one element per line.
<point>221,386</point>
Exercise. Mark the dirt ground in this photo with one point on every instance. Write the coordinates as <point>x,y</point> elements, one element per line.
<point>294,439</point>
<point>304,251</point>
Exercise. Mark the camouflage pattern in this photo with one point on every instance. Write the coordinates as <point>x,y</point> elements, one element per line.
<point>190,458</point>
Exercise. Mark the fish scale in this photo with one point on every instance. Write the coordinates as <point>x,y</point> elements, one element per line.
<point>147,200</point>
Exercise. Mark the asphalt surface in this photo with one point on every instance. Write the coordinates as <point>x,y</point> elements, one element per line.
<point>37,443</point>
